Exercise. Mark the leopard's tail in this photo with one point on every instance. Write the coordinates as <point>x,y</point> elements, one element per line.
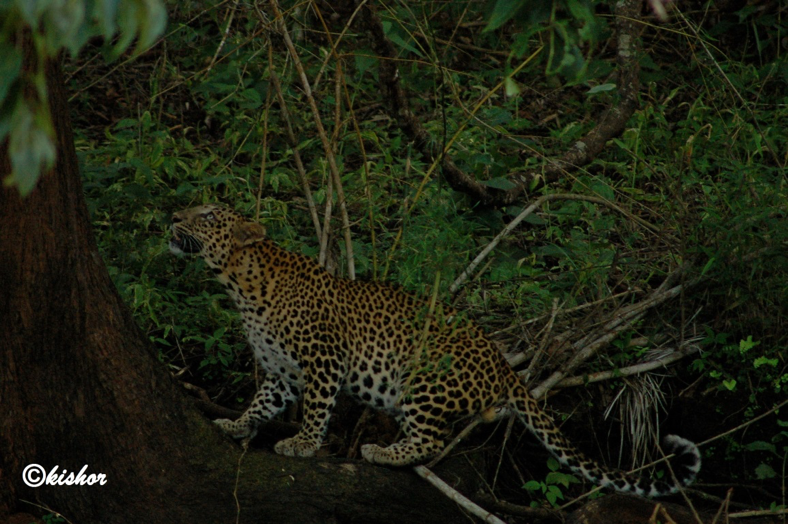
<point>685,464</point>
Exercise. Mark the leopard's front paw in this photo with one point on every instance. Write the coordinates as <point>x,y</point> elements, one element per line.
<point>296,447</point>
<point>236,428</point>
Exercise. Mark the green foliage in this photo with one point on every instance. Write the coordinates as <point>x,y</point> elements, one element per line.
<point>564,26</point>
<point>50,27</point>
<point>697,175</point>
<point>550,488</point>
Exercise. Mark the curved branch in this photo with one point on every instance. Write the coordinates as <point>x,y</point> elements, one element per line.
<point>610,124</point>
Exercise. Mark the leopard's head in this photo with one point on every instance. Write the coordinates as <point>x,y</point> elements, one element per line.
<point>214,232</point>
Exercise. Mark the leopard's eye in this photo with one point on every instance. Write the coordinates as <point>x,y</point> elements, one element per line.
<point>209,217</point>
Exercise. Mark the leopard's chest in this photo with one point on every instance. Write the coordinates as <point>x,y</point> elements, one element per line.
<point>273,342</point>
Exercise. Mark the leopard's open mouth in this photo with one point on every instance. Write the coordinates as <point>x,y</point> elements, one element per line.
<point>181,243</point>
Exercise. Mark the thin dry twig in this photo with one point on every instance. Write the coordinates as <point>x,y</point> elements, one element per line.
<point>334,44</point>
<point>224,38</point>
<point>724,507</point>
<point>609,124</point>
<point>757,513</point>
<point>524,214</point>
<point>245,447</point>
<point>477,419</point>
<point>634,369</point>
<point>456,496</point>
<point>264,147</point>
<point>330,157</point>
<point>545,337</point>
<point>745,424</point>
<point>285,114</point>
<point>623,319</point>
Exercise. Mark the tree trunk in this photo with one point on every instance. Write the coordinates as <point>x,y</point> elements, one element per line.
<point>79,385</point>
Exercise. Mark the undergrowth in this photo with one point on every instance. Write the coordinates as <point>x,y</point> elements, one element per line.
<point>698,177</point>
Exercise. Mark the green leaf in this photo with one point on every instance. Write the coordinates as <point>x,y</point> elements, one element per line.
<point>511,87</point>
<point>63,21</point>
<point>31,148</point>
<point>503,11</point>
<point>601,88</point>
<point>499,183</point>
<point>760,445</point>
<point>128,15</point>
<point>708,265</point>
<point>762,361</point>
<point>10,65</point>
<point>31,9</point>
<point>729,384</point>
<point>366,62</point>
<point>105,12</point>
<point>532,485</point>
<point>152,24</point>
<point>746,345</point>
<point>764,471</point>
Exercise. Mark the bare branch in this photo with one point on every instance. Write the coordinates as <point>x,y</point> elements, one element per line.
<point>285,113</point>
<point>610,124</point>
<point>635,369</point>
<point>332,163</point>
<point>456,496</point>
<point>523,215</point>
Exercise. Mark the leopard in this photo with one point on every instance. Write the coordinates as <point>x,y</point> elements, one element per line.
<point>315,335</point>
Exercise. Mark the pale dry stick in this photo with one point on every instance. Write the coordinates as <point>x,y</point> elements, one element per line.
<point>724,507</point>
<point>327,212</point>
<point>744,425</point>
<point>515,359</point>
<point>366,177</point>
<point>477,419</point>
<point>264,147</point>
<point>756,513</point>
<point>245,447</point>
<point>587,351</point>
<point>625,318</point>
<point>566,311</point>
<point>322,257</point>
<point>523,215</point>
<point>283,111</point>
<point>627,371</point>
<point>541,348</point>
<point>334,44</point>
<point>456,496</point>
<point>337,103</point>
<point>506,435</point>
<point>224,38</point>
<point>332,163</point>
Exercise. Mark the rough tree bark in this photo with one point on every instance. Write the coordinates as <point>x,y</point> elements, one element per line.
<point>79,385</point>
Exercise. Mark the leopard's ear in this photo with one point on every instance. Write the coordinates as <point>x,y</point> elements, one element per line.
<point>247,233</point>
